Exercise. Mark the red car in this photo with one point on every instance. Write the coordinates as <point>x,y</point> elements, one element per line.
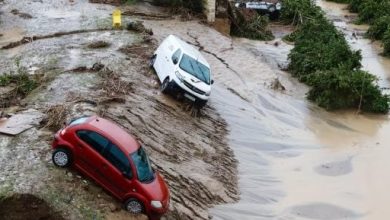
<point>106,153</point>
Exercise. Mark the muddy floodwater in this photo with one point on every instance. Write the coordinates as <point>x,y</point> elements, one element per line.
<point>295,160</point>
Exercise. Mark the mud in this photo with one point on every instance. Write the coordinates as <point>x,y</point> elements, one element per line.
<point>26,206</point>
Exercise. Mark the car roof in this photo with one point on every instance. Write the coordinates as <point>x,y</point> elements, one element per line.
<point>111,130</point>
<point>188,49</point>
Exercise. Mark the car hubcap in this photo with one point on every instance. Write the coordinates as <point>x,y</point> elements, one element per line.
<point>134,207</point>
<point>61,158</point>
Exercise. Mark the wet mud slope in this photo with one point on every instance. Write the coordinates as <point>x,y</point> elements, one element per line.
<point>187,146</point>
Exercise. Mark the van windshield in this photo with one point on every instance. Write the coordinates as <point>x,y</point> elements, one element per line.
<point>193,67</point>
<point>142,164</point>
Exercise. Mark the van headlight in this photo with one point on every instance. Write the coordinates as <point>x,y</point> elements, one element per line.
<point>156,204</point>
<point>179,76</point>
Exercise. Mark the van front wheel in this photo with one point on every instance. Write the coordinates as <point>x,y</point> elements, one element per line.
<point>200,103</point>
<point>165,86</point>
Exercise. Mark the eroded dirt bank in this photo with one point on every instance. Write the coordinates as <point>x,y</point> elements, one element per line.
<point>188,147</point>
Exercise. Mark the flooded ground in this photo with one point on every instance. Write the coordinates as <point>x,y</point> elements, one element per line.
<point>296,161</point>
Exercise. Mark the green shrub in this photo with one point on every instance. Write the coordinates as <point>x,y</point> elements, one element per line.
<point>254,28</point>
<point>341,88</point>
<point>354,5</point>
<point>297,11</point>
<point>319,46</point>
<point>378,29</point>
<point>386,43</point>
<point>372,10</point>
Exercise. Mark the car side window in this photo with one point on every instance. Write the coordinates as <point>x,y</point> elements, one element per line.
<point>93,139</point>
<point>176,56</point>
<point>118,159</point>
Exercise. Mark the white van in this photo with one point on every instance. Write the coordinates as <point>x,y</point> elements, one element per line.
<point>183,70</point>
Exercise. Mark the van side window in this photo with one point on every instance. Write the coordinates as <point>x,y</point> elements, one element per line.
<point>93,139</point>
<point>176,56</point>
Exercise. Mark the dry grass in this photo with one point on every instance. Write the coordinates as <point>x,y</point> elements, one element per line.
<point>98,44</point>
<point>113,86</point>
<point>55,117</point>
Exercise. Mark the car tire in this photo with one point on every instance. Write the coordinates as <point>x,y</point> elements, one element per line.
<point>165,86</point>
<point>62,157</point>
<point>134,206</point>
<point>152,60</point>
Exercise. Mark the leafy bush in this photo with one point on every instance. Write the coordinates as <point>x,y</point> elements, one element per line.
<point>378,29</point>
<point>256,27</point>
<point>319,46</point>
<point>297,11</point>
<point>342,88</point>
<point>386,43</point>
<point>371,10</point>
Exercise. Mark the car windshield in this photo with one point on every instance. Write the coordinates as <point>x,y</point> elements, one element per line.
<point>141,161</point>
<point>193,67</point>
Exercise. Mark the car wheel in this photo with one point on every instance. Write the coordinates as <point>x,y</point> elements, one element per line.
<point>165,86</point>
<point>134,206</point>
<point>152,60</point>
<point>62,158</point>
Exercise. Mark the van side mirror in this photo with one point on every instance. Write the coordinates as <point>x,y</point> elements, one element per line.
<point>175,60</point>
<point>212,82</point>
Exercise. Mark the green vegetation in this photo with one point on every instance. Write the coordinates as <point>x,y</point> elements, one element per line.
<point>20,79</point>
<point>323,59</point>
<point>255,27</point>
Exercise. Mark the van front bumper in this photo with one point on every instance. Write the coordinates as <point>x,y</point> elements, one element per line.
<point>180,88</point>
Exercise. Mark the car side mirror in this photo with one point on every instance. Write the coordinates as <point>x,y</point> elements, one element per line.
<point>212,82</point>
